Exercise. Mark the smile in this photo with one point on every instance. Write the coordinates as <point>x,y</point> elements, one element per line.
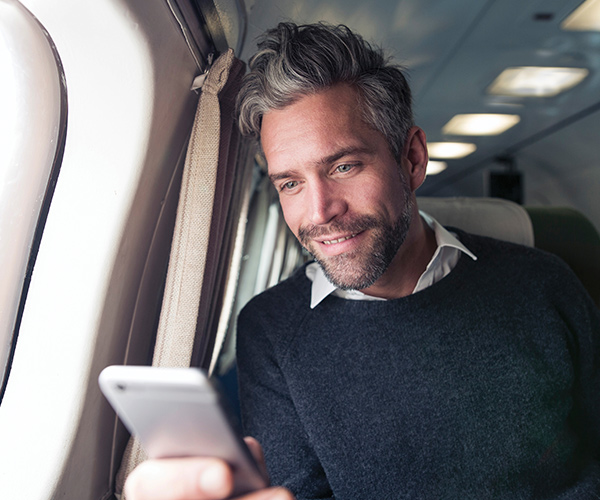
<point>339,240</point>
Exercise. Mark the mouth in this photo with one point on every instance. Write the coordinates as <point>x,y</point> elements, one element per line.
<point>338,237</point>
<point>338,240</point>
<point>336,245</point>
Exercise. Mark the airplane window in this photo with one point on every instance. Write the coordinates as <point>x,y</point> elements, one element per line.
<point>32,132</point>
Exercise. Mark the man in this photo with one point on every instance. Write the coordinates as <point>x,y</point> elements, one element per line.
<point>408,361</point>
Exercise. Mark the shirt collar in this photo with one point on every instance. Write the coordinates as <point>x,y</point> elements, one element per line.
<point>444,238</point>
<point>322,287</point>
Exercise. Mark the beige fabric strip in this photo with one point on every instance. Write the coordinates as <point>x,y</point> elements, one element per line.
<point>179,314</point>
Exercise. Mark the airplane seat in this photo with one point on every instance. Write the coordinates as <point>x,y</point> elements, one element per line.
<point>493,217</point>
<point>569,234</point>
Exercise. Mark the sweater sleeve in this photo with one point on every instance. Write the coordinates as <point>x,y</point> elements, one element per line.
<point>583,319</point>
<point>269,414</point>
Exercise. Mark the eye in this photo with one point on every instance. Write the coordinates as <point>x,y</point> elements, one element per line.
<point>289,185</point>
<point>344,168</point>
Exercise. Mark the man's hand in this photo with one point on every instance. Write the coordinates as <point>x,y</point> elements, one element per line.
<point>193,479</point>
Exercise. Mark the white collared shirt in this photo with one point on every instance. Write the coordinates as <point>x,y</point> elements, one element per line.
<point>443,261</point>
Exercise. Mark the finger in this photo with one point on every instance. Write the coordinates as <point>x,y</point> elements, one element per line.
<point>257,453</point>
<point>180,479</point>
<point>255,448</point>
<point>269,494</point>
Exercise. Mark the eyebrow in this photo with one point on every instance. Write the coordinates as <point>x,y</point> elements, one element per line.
<point>324,161</point>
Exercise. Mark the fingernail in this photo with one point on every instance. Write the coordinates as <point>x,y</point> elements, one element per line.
<point>213,481</point>
<point>278,494</point>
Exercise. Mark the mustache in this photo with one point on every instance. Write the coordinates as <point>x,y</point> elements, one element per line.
<point>354,226</point>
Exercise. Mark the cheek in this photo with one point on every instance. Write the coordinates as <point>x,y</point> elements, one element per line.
<point>386,197</point>
<point>372,194</point>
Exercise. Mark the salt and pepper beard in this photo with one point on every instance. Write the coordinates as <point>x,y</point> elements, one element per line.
<point>360,268</point>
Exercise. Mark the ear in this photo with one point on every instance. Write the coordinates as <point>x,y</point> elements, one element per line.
<point>415,157</point>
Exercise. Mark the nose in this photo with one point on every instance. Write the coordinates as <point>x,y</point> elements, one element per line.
<point>325,203</point>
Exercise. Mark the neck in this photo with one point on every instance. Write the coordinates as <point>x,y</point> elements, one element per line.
<point>403,273</point>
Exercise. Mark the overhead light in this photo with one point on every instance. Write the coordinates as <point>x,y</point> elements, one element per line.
<point>585,18</point>
<point>480,124</point>
<point>435,167</point>
<point>535,81</point>
<point>450,150</point>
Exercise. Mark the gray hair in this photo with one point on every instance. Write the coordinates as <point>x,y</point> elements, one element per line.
<point>294,61</point>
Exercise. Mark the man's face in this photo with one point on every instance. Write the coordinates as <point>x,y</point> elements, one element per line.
<point>343,194</point>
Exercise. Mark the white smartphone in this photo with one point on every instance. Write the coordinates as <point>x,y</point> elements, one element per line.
<point>178,412</point>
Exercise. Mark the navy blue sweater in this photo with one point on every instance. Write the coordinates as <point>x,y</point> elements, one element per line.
<point>484,385</point>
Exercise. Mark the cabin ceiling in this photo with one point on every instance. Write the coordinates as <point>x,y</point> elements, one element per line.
<point>453,50</point>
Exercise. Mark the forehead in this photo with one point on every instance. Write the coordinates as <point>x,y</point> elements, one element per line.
<point>315,127</point>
